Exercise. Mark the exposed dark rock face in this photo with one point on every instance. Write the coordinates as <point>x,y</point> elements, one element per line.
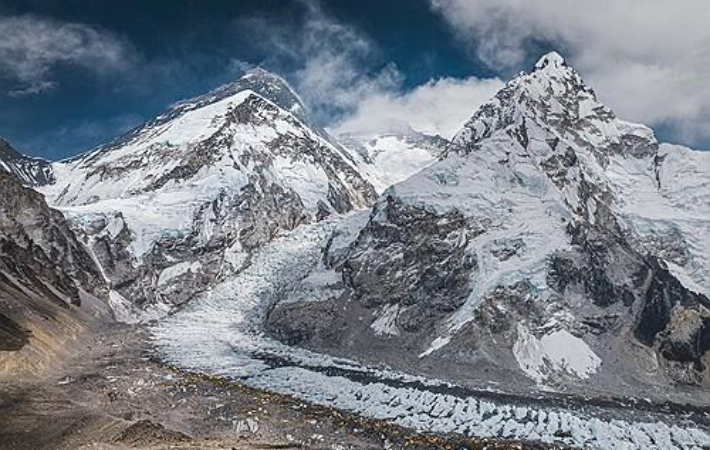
<point>676,321</point>
<point>293,324</point>
<point>600,266</point>
<point>27,170</point>
<point>45,274</point>
<point>502,308</point>
<point>412,258</point>
<point>113,252</point>
<point>38,248</point>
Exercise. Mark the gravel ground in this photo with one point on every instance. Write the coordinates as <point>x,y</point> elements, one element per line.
<point>113,395</point>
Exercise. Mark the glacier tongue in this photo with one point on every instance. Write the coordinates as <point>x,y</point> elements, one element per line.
<point>226,319</point>
<point>220,333</point>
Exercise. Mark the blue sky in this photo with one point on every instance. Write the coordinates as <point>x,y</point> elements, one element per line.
<point>180,49</point>
<point>77,73</point>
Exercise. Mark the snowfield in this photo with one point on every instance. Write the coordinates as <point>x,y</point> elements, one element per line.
<point>393,157</point>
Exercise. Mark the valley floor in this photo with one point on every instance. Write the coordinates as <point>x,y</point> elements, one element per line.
<point>114,395</point>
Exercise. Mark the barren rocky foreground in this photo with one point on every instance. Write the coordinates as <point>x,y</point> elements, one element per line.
<point>112,394</point>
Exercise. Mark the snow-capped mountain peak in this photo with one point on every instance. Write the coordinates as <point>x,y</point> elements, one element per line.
<point>560,125</point>
<point>260,81</point>
<point>546,243</point>
<point>256,81</point>
<point>205,183</point>
<point>551,60</point>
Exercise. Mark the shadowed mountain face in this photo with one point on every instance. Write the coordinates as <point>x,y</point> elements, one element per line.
<point>38,250</point>
<point>27,170</point>
<point>46,276</point>
<point>12,336</point>
<point>553,244</point>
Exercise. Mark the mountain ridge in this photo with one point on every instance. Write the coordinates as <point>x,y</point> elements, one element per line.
<point>50,287</point>
<point>30,171</point>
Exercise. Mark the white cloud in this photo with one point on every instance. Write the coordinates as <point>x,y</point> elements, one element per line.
<point>31,47</point>
<point>437,107</point>
<point>332,65</point>
<point>648,59</point>
<point>337,57</point>
<point>342,76</point>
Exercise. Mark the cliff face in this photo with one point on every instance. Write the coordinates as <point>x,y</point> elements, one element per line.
<point>27,170</point>
<point>49,282</point>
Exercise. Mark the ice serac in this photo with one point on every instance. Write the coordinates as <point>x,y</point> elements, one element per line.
<point>185,198</point>
<point>26,169</point>
<point>553,245</point>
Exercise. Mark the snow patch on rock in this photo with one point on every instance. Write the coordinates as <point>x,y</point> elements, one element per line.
<point>177,270</point>
<point>385,324</point>
<point>557,351</point>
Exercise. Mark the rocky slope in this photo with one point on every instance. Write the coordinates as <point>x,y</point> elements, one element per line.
<point>48,280</point>
<point>554,245</point>
<point>186,198</point>
<point>29,171</point>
